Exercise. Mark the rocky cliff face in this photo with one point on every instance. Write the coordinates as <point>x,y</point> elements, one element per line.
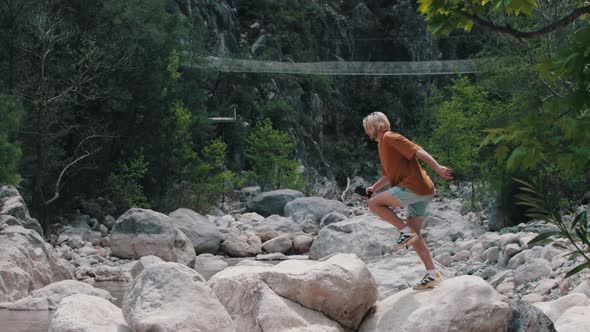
<point>326,111</point>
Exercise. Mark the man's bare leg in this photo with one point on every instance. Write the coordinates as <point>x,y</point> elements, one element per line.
<point>420,245</point>
<point>380,205</point>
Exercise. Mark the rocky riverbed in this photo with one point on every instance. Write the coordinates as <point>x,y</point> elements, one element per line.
<point>331,271</point>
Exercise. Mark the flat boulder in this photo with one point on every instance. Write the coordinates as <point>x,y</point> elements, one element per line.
<point>204,235</point>
<point>297,294</point>
<point>464,303</point>
<point>172,297</point>
<point>142,232</point>
<point>400,271</point>
<point>272,202</point>
<point>49,297</point>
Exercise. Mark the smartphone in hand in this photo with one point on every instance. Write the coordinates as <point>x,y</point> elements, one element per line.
<point>362,192</point>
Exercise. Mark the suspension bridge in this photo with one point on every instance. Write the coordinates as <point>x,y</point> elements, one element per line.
<point>339,68</point>
<point>345,68</point>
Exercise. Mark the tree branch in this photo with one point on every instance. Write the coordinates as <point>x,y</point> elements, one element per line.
<point>63,171</point>
<point>507,29</point>
<point>551,89</point>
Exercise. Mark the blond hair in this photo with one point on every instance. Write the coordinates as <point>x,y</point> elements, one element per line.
<point>375,123</point>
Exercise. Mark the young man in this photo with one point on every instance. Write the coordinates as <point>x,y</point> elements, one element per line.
<point>410,187</point>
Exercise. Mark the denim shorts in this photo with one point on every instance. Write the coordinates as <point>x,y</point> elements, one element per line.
<point>416,204</point>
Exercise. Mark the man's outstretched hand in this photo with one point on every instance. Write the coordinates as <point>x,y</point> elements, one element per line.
<point>445,172</point>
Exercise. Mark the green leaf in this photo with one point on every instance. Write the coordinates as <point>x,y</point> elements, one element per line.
<point>523,182</point>
<point>528,204</point>
<point>527,198</point>
<point>502,152</point>
<point>532,191</point>
<point>579,217</point>
<point>543,236</point>
<point>583,235</point>
<point>537,216</point>
<point>578,269</point>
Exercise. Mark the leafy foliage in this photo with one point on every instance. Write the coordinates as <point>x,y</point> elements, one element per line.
<point>539,87</point>
<point>270,152</point>
<point>126,184</point>
<point>444,16</point>
<point>575,231</point>
<point>11,113</point>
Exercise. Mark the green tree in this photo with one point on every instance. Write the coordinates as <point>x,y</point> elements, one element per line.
<point>279,112</point>
<point>459,119</point>
<point>460,122</point>
<point>126,185</point>
<point>11,113</point>
<point>270,153</point>
<point>206,181</point>
<point>555,132</point>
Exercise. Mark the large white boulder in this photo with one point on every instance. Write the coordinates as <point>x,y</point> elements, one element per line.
<point>340,287</point>
<point>398,272</point>
<point>172,297</point>
<point>555,308</point>
<point>48,297</point>
<point>364,236</point>
<point>464,303</point>
<point>142,232</point>
<point>142,263</point>
<point>86,313</point>
<point>574,319</point>
<point>13,205</point>
<point>204,234</point>
<point>27,262</point>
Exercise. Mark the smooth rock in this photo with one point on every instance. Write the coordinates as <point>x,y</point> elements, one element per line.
<point>340,287</point>
<point>528,318</point>
<point>317,207</point>
<point>470,304</point>
<point>364,236</point>
<point>554,309</point>
<point>302,243</point>
<point>142,232</point>
<point>48,297</point>
<point>172,297</point>
<point>280,244</point>
<point>204,235</point>
<point>574,319</point>
<point>85,313</point>
<point>272,202</point>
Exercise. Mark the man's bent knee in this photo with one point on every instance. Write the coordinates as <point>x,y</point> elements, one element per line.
<point>372,205</point>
